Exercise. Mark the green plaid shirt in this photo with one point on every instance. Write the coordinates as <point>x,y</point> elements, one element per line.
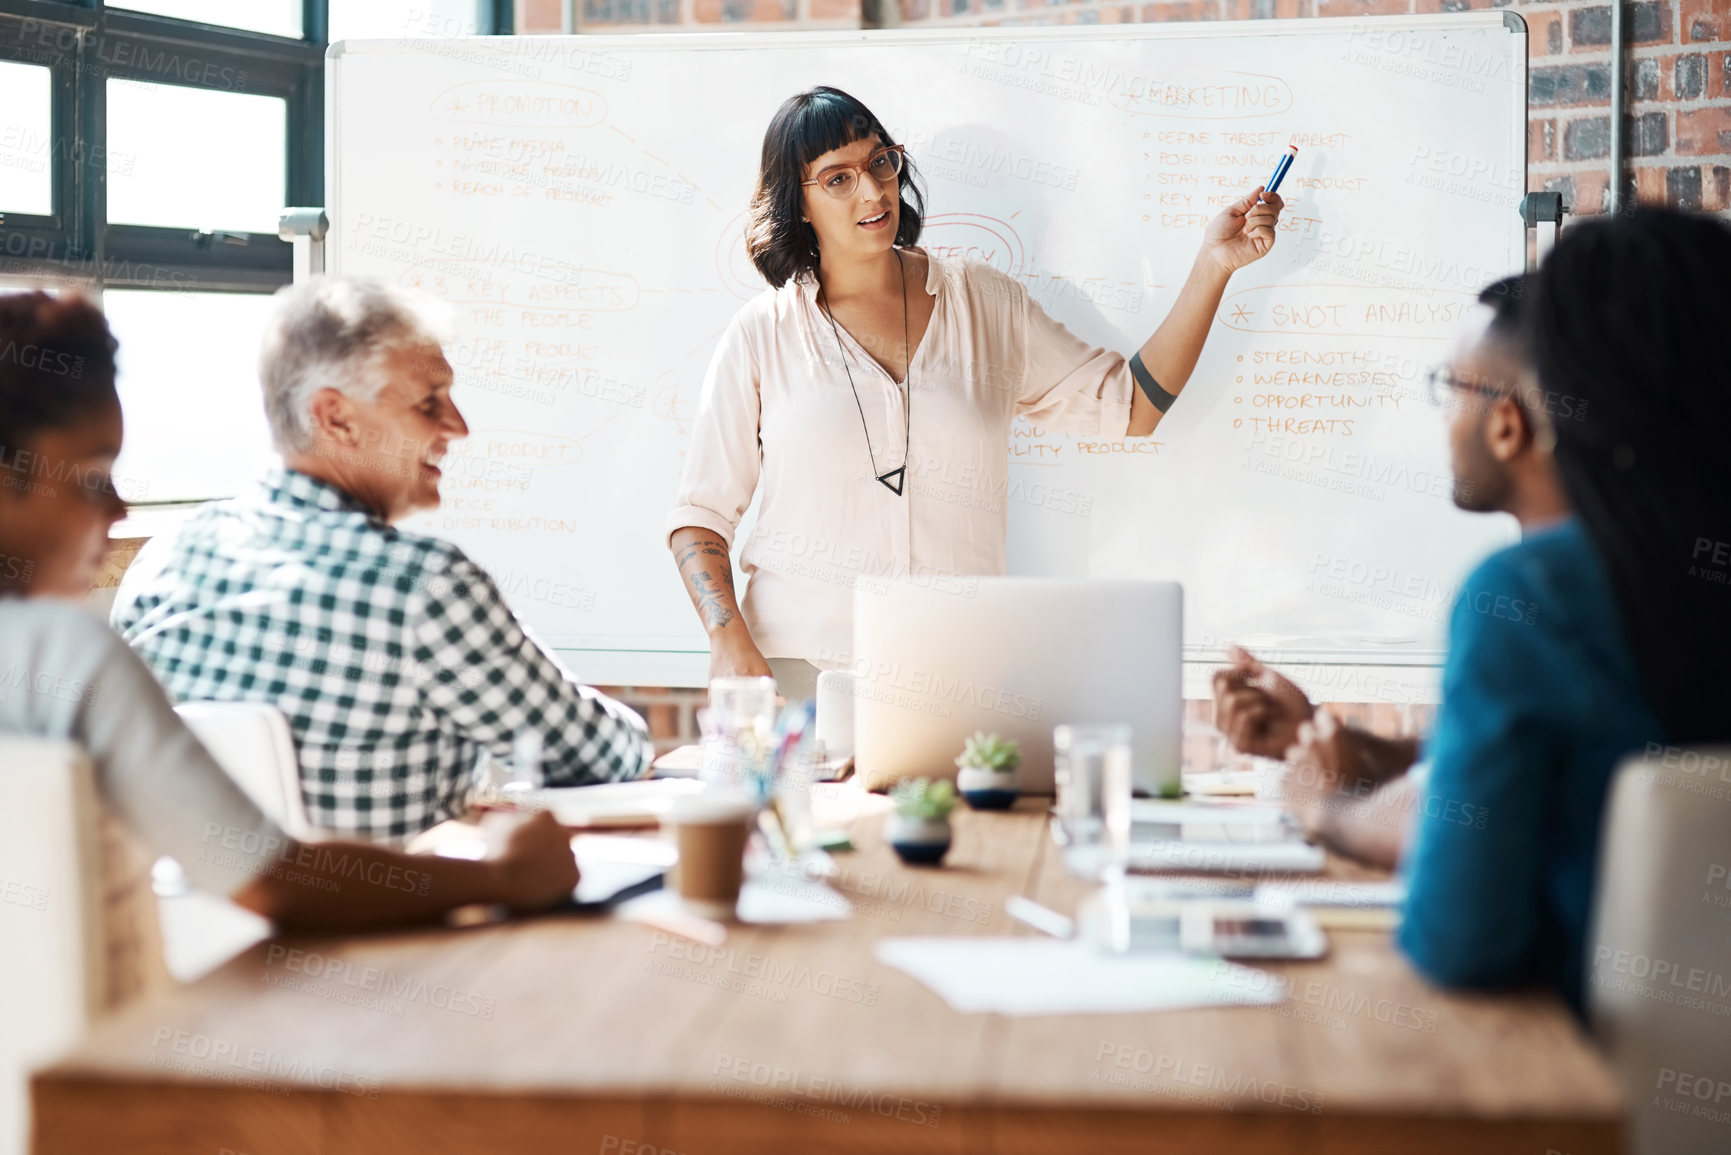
<point>393,656</point>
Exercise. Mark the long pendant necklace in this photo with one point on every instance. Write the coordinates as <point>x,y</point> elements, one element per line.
<point>899,473</point>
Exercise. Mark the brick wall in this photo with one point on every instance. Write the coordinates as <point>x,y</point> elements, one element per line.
<point>670,712</point>
<point>1679,75</point>
<point>1679,131</point>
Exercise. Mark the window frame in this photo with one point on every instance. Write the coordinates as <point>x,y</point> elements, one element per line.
<point>83,43</point>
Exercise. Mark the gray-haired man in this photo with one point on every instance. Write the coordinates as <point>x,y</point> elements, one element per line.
<point>394,657</point>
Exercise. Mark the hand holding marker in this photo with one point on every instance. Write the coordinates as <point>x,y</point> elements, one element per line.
<point>1280,169</point>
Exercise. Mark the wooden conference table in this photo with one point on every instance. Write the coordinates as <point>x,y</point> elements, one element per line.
<point>572,1035</point>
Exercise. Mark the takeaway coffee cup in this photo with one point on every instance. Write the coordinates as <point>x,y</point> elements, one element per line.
<point>711,832</point>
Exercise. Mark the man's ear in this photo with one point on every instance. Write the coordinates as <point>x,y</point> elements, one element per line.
<point>1508,429</point>
<point>332,413</point>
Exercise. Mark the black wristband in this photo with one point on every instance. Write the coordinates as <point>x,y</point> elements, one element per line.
<point>1162,400</point>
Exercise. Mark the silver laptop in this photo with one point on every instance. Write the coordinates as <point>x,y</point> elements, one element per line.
<point>935,661</point>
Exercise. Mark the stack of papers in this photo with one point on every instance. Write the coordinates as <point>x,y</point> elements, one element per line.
<point>1217,836</point>
<point>1235,813</point>
<point>1293,857</point>
<point>1340,905</point>
<point>1037,976</point>
<point>1222,783</point>
<point>1327,892</point>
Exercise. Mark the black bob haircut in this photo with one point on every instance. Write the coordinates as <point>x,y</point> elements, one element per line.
<point>805,127</point>
<point>57,365</point>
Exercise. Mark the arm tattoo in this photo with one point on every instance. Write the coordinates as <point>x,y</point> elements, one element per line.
<point>707,590</point>
<point>709,601</point>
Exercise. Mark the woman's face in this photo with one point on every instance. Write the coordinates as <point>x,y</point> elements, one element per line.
<point>862,224</point>
<point>57,502</point>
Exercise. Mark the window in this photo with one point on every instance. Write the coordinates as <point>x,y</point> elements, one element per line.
<point>164,170</point>
<point>277,17</point>
<point>147,149</point>
<point>26,140</point>
<point>146,153</point>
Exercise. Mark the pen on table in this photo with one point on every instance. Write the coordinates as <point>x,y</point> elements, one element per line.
<point>1039,917</point>
<point>1280,169</point>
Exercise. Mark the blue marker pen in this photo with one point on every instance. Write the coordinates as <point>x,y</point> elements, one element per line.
<point>1285,163</point>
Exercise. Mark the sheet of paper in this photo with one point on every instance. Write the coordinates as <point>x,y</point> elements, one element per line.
<point>608,863</point>
<point>680,762</point>
<point>1040,976</point>
<point>616,803</point>
<point>769,901</point>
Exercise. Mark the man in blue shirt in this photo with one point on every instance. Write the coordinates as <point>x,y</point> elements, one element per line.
<point>1497,828</point>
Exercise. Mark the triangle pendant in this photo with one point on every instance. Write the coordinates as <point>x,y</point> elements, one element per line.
<point>894,487</point>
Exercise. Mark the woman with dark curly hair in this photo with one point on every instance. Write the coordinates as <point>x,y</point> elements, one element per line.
<point>865,400</point>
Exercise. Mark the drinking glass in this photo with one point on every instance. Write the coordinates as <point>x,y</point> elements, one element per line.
<point>1092,773</point>
<point>509,784</point>
<point>738,728</point>
<point>522,785</point>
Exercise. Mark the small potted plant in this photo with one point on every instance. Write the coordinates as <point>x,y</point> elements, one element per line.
<point>986,771</point>
<point>919,830</point>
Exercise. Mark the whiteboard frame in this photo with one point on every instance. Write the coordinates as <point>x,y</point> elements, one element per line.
<point>650,665</point>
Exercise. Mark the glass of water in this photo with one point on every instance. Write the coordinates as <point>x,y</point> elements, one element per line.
<point>522,786</point>
<point>509,784</point>
<point>1091,766</point>
<point>738,728</point>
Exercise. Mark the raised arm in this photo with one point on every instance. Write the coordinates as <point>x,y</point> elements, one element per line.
<point>1243,232</point>
<point>707,570</point>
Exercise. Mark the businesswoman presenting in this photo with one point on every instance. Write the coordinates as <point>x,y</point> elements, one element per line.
<point>867,398</point>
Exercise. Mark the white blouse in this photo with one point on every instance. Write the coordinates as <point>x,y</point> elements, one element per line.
<point>777,415</point>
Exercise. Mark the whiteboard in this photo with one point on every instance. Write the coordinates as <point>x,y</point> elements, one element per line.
<point>579,203</point>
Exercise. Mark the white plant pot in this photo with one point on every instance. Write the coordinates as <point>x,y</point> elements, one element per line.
<point>985,788</point>
<point>918,841</point>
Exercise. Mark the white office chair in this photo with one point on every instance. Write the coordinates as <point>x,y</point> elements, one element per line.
<point>252,742</point>
<point>76,916</point>
<point>1658,963</point>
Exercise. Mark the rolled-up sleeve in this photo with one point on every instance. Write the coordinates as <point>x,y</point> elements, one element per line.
<point>726,455</point>
<point>480,668</point>
<point>1070,385</point>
